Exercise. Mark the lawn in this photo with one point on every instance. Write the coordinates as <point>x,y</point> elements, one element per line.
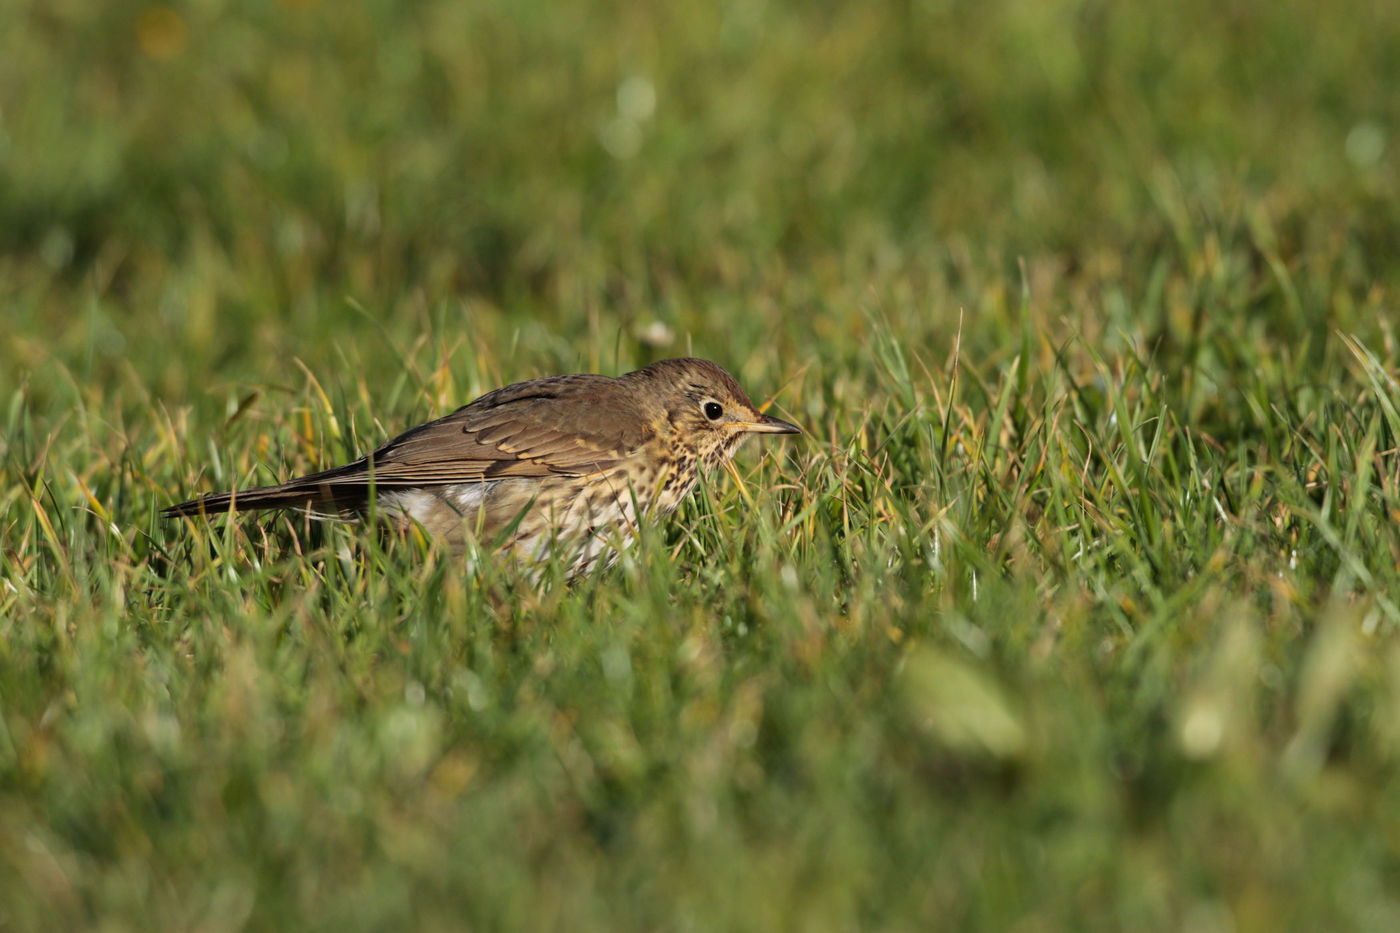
<point>1076,607</point>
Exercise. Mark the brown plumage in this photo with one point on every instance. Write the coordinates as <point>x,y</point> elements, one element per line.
<point>563,461</point>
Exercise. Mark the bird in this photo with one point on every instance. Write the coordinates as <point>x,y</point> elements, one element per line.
<point>561,464</point>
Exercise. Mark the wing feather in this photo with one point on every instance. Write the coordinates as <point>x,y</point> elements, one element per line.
<point>562,425</point>
<point>579,426</point>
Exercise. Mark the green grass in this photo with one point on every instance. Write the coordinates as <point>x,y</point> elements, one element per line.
<point>1076,608</point>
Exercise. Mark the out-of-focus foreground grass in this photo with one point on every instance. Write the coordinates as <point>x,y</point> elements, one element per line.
<point>1075,608</point>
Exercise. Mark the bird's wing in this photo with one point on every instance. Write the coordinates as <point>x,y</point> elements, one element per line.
<point>572,425</point>
<point>561,425</point>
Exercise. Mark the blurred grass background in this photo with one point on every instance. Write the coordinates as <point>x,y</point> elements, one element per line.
<point>1075,608</point>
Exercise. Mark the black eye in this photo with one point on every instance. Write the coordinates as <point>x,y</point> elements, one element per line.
<point>713,410</point>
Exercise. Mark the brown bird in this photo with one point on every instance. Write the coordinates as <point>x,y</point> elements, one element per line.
<point>561,462</point>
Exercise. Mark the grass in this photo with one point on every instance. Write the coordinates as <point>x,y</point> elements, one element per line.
<point>1075,608</point>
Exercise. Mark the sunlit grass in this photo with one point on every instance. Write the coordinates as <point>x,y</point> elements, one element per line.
<point>1074,607</point>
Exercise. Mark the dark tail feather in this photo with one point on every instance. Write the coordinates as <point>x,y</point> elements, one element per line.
<point>320,496</point>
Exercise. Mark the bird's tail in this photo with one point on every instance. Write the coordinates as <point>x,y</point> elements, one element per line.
<point>293,495</point>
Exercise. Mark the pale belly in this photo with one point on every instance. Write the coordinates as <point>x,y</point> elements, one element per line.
<point>591,522</point>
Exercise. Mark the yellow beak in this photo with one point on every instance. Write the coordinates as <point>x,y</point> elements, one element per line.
<point>766,425</point>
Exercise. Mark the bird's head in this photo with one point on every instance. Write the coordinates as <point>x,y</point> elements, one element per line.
<point>705,408</point>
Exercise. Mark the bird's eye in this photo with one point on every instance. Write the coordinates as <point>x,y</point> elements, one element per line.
<point>713,410</point>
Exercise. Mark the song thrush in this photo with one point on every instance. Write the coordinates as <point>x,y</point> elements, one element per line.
<point>567,462</point>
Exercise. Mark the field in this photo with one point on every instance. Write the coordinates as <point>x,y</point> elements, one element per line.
<point>1076,607</point>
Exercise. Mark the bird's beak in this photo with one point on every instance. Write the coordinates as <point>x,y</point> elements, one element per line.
<point>767,425</point>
